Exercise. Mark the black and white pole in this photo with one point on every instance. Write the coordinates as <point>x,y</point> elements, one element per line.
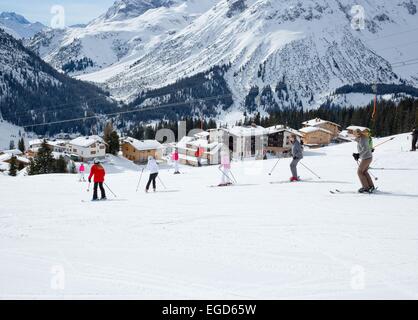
<point>110,190</point>
<point>271,172</point>
<point>162,182</point>
<point>310,170</point>
<point>140,178</point>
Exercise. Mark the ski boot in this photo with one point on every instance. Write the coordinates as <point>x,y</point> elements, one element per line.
<point>371,190</point>
<point>294,179</point>
<point>363,190</point>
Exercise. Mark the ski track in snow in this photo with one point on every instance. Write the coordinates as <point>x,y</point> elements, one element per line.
<point>262,241</point>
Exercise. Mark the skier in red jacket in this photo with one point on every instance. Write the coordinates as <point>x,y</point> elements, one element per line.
<point>99,173</point>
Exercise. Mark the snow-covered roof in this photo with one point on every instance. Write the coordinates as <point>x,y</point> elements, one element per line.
<point>314,129</point>
<point>354,128</point>
<point>57,142</point>
<point>143,145</point>
<point>86,141</point>
<point>275,129</point>
<point>247,131</point>
<point>35,142</point>
<point>14,152</point>
<point>202,134</point>
<point>196,143</point>
<point>317,121</point>
<point>8,156</point>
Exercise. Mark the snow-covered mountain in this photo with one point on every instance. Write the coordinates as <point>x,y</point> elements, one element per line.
<point>269,53</point>
<point>127,31</point>
<point>296,51</point>
<point>33,92</point>
<point>18,26</point>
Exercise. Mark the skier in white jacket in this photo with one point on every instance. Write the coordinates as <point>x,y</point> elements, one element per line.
<point>152,167</point>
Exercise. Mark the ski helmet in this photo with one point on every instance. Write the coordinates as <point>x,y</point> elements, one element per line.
<point>96,161</point>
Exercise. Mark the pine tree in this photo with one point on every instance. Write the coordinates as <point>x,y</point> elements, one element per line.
<point>107,131</point>
<point>13,167</point>
<point>21,145</point>
<point>60,165</point>
<point>44,162</point>
<point>113,143</point>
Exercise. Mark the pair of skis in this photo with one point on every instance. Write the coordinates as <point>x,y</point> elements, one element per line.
<point>336,191</point>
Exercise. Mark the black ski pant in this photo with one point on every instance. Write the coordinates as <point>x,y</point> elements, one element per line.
<point>152,178</point>
<point>102,190</point>
<point>414,142</point>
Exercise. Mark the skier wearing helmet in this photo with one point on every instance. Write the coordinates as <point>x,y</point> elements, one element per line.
<point>98,172</point>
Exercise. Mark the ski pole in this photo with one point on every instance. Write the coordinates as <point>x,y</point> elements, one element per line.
<point>110,189</point>
<point>88,188</point>
<point>233,176</point>
<point>162,182</point>
<point>310,170</point>
<point>271,172</point>
<point>374,177</point>
<point>393,138</point>
<point>140,178</point>
<point>229,178</point>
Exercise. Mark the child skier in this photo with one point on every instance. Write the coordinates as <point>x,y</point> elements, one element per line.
<point>152,166</point>
<point>175,158</point>
<point>297,154</point>
<point>365,154</point>
<point>98,171</point>
<point>225,168</point>
<point>414,139</point>
<point>81,171</point>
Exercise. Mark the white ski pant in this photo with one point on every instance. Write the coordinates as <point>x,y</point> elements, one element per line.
<point>81,176</point>
<point>176,166</point>
<point>226,176</point>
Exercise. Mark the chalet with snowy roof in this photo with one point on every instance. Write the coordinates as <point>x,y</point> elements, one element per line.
<point>278,139</point>
<point>316,136</point>
<point>247,141</point>
<point>87,148</point>
<point>352,129</point>
<point>139,150</point>
<point>21,161</point>
<point>14,152</point>
<point>59,146</point>
<point>206,143</point>
<point>35,144</point>
<point>332,127</point>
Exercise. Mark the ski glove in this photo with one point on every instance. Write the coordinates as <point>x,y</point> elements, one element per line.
<point>356,156</point>
<point>89,180</point>
<point>295,158</point>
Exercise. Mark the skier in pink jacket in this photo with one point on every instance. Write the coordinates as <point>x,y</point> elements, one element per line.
<point>175,158</point>
<point>225,168</point>
<point>81,171</point>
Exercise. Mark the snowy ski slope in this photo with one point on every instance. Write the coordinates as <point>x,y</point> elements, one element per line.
<point>253,241</point>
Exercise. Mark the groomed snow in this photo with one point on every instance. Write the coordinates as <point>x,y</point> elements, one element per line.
<point>257,240</point>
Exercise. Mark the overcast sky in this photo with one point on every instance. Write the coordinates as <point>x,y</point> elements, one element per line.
<point>76,11</point>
